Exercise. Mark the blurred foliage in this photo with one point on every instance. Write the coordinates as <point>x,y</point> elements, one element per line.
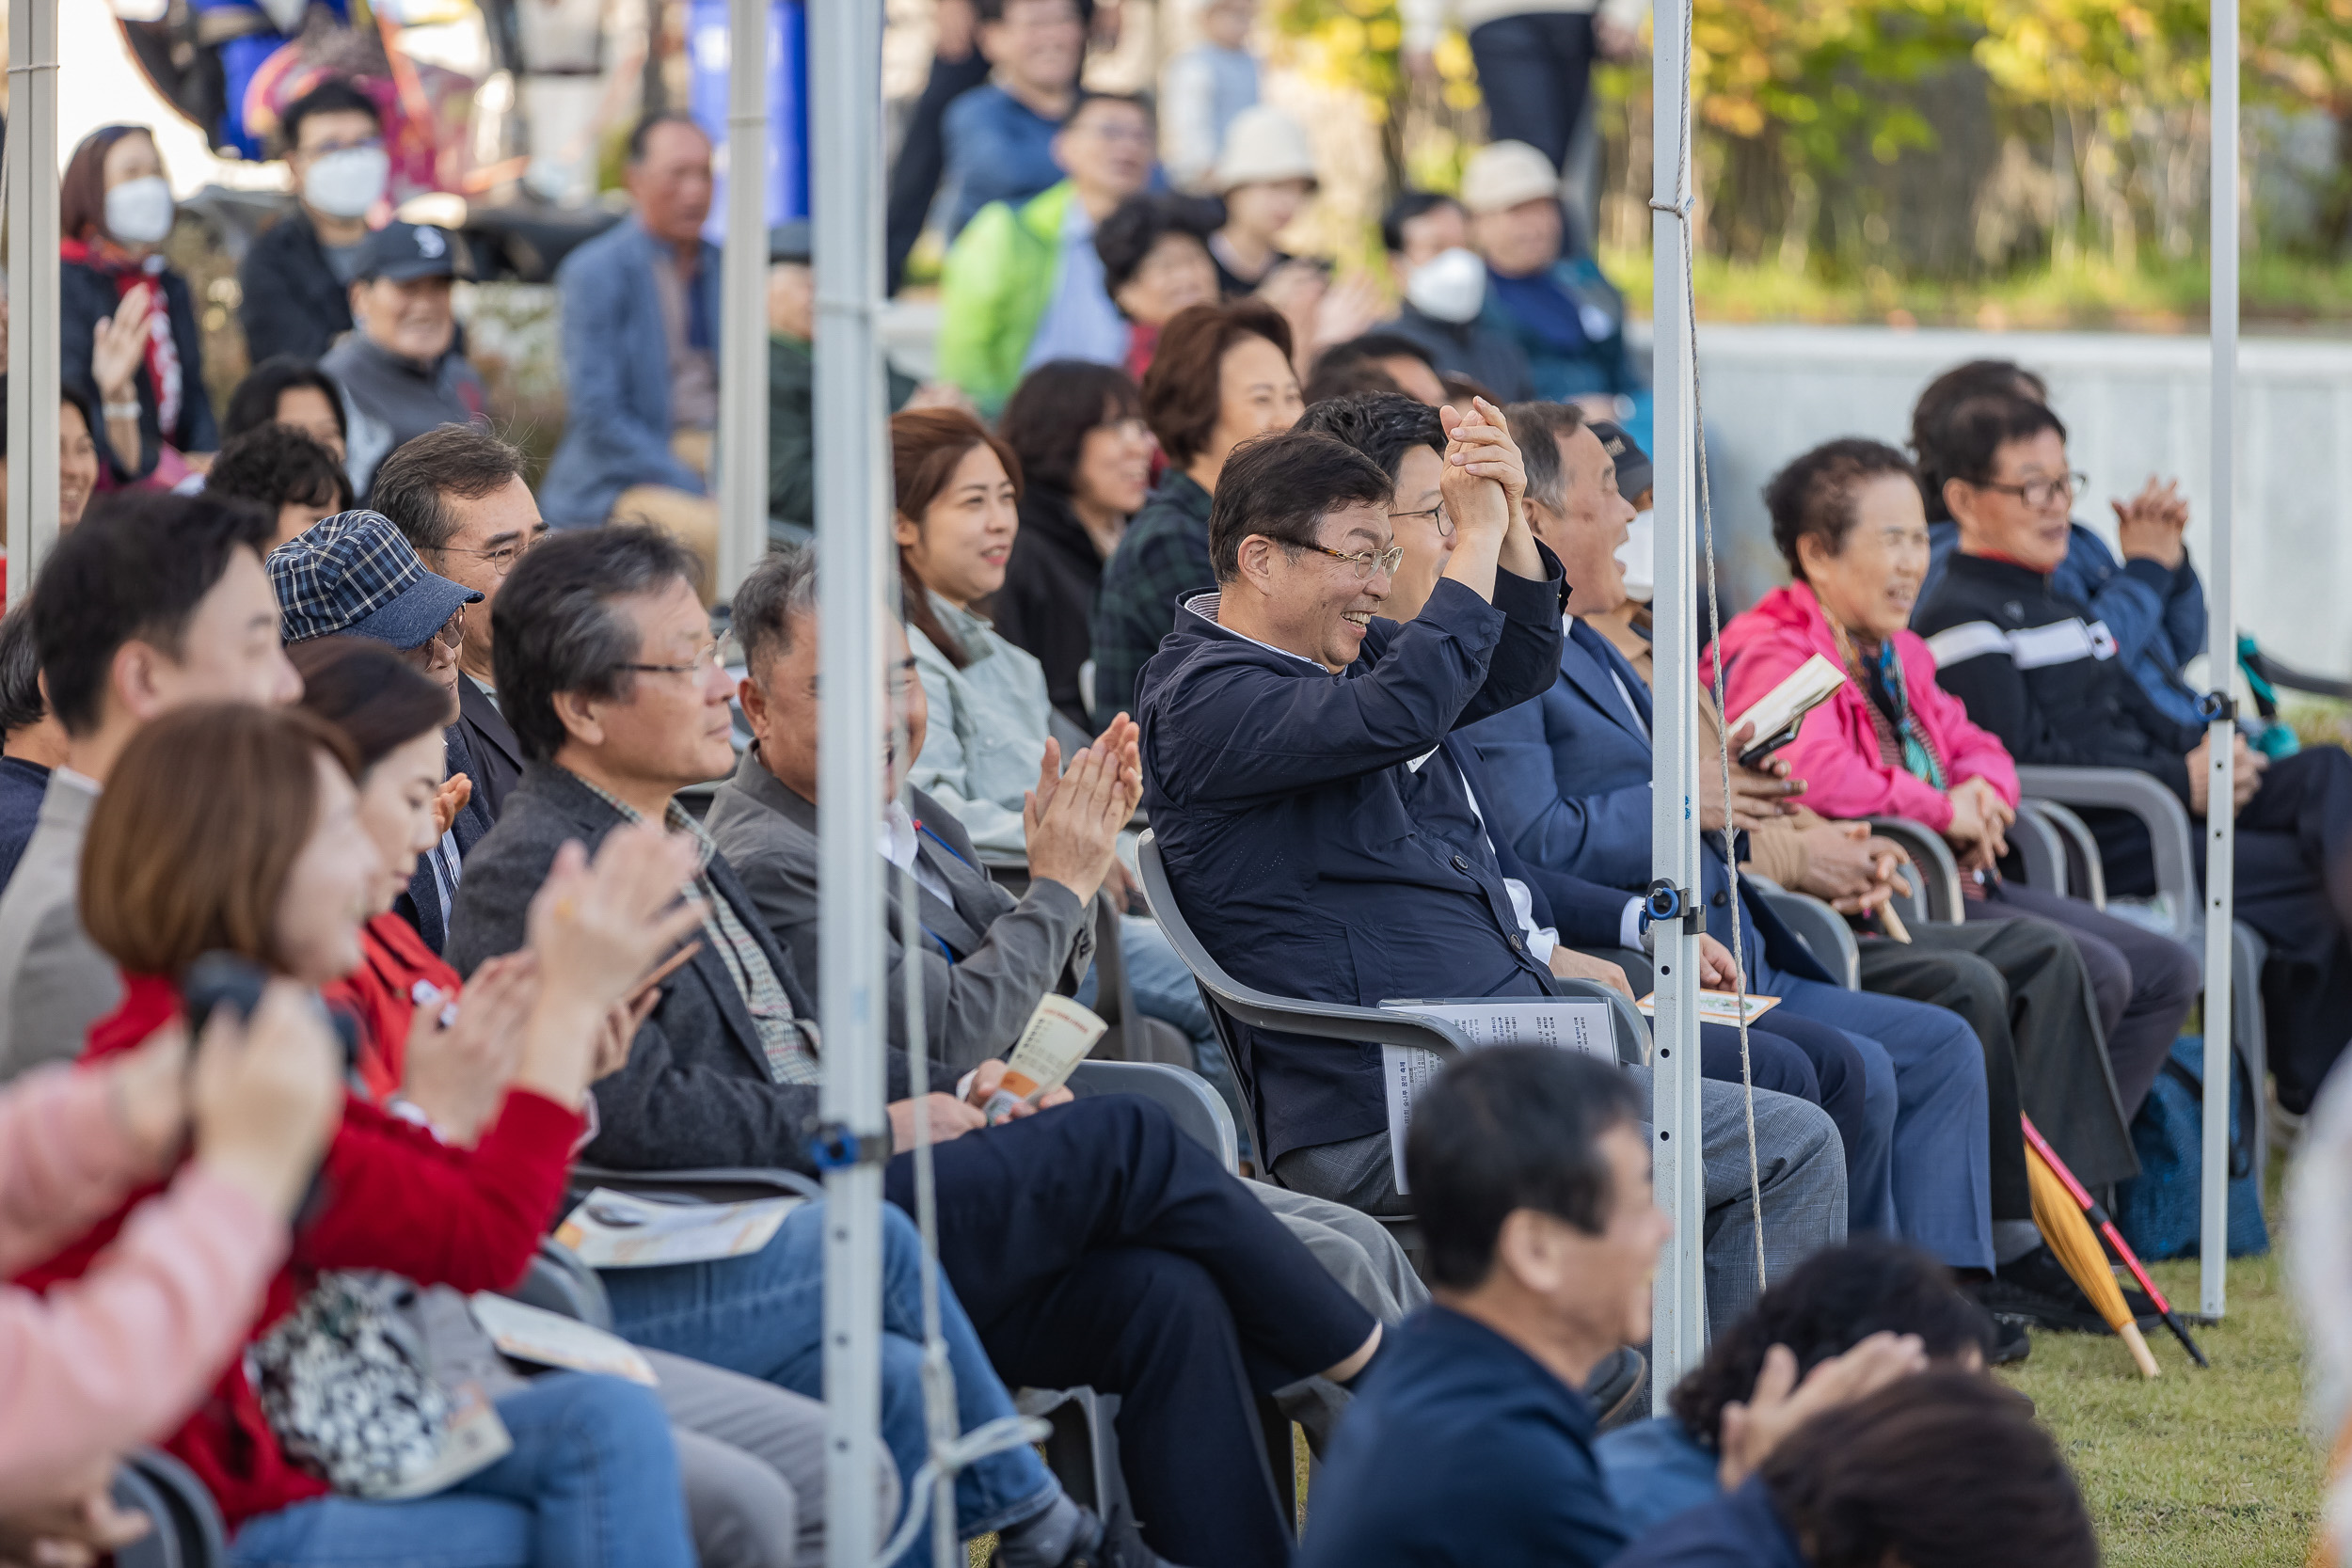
<point>1879,143</point>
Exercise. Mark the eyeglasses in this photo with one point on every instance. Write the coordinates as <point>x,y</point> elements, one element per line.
<point>2039,493</point>
<point>707,658</point>
<point>452,633</point>
<point>1436,515</point>
<point>500,560</point>
<point>1365,561</point>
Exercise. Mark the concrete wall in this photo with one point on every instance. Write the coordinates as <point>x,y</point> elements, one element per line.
<point>2136,404</point>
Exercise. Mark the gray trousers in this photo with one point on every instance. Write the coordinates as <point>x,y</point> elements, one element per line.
<point>1800,1161</point>
<point>752,1458</point>
<point>1353,1248</point>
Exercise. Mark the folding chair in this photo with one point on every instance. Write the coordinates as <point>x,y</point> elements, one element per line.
<point>1823,929</point>
<point>1935,893</point>
<point>1199,1110</point>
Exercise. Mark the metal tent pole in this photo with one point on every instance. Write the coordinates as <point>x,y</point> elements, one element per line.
<point>32,176</point>
<point>1678,1303</point>
<point>845,124</point>
<point>2221,667</point>
<point>743,278</point>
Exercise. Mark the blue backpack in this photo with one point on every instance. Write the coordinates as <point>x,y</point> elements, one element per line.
<point>2157,1209</point>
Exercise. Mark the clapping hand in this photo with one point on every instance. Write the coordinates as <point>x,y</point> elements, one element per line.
<point>1485,477</point>
<point>457,1073</point>
<point>1071,821</point>
<point>1759,795</point>
<point>2151,525</point>
<point>118,346</point>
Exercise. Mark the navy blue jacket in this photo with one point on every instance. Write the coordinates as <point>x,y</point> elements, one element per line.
<point>1738,1529</point>
<point>1280,799</point>
<point>1461,1450</point>
<point>1572,772</point>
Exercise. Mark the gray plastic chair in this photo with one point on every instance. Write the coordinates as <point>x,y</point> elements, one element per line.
<point>1198,1111</point>
<point>188,1532</point>
<point>559,1282</point>
<point>2039,845</point>
<point>1823,929</point>
<point>2086,873</point>
<point>1936,893</point>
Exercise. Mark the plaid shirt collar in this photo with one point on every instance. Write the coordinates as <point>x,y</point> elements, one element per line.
<point>677,820</point>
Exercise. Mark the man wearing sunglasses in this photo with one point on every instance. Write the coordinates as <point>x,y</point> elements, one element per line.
<point>353,574</point>
<point>1318,831</point>
<point>458,494</point>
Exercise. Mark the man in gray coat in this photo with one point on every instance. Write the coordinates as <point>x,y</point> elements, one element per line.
<point>152,603</point>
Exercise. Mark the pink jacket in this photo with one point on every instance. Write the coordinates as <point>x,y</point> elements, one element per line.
<point>119,1357</point>
<point>1836,751</point>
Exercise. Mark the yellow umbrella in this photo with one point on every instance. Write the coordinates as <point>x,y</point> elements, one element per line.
<point>2085,1262</point>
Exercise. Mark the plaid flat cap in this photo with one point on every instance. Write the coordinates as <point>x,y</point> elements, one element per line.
<point>355,573</point>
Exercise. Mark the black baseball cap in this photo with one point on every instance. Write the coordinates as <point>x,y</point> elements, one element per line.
<point>1633,465</point>
<point>401,251</point>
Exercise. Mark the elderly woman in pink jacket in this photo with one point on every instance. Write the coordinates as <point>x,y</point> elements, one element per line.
<point>121,1355</point>
<point>1890,742</point>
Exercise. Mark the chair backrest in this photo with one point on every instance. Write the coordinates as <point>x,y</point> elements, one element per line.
<point>1820,927</point>
<point>1935,893</point>
<point>2085,873</point>
<point>2035,839</point>
<point>2159,811</point>
<point>1183,1094</point>
<point>1333,1020</point>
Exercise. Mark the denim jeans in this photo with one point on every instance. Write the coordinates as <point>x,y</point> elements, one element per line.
<point>1165,990</point>
<point>763,1316</point>
<point>592,1481</point>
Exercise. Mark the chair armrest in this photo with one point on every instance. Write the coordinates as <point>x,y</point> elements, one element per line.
<point>1184,1095</point>
<point>714,1184</point>
<point>1263,1010</point>
<point>559,1282</point>
<point>2085,873</point>
<point>1820,928</point>
<point>188,1531</point>
<point>2036,839</point>
<point>2157,807</point>
<point>1940,893</point>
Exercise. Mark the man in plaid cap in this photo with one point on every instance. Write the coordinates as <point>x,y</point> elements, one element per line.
<point>355,574</point>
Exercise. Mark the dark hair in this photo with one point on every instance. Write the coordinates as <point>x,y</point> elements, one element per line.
<point>82,189</point>
<point>365,689</point>
<point>774,594</point>
<point>1538,428</point>
<point>65,394</point>
<point>926,444</point>
<point>21,704</point>
<point>1049,415</point>
<point>334,96</point>
<point>1182,391</point>
<point>1826,1305</point>
<point>553,628</point>
<point>1126,238</point>
<point>255,401</point>
<point>1345,377</point>
<point>1136,101</point>
<point>203,818</point>
<point>413,486</point>
<point>1509,1127</point>
<point>1281,486</point>
<point>1966,442</point>
<point>274,464</point>
<point>134,570</point>
<point>1384,426</point>
<point>1940,1470</point>
<point>1815,493</point>
<point>641,133</point>
<point>1975,378</point>
<point>1404,210</point>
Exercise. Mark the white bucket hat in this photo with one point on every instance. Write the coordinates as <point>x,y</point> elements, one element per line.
<point>1262,145</point>
<point>1505,173</point>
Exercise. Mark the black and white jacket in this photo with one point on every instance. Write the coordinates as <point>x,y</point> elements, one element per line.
<point>2039,671</point>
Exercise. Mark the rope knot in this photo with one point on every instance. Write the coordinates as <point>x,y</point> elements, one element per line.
<point>1681,209</point>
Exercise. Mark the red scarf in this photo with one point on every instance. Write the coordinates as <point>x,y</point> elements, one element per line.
<point>103,256</point>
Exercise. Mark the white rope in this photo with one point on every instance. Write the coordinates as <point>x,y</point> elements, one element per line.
<point>1680,210</point>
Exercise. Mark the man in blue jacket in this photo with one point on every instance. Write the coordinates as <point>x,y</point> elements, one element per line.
<point>1284,775</point>
<point>641,352</point>
<point>1572,776</point>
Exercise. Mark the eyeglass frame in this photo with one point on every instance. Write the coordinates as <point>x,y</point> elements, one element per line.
<point>2075,481</point>
<point>1438,516</point>
<point>713,656</point>
<point>489,557</point>
<point>1365,561</point>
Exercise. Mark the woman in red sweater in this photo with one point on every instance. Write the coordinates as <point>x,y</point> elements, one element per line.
<point>237,829</point>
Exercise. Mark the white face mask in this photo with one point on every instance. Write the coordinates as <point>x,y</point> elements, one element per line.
<point>346,183</point>
<point>1638,556</point>
<point>1449,287</point>
<point>138,211</point>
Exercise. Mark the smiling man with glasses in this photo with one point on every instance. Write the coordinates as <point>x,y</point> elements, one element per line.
<point>457,493</point>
